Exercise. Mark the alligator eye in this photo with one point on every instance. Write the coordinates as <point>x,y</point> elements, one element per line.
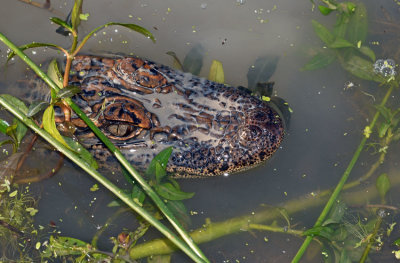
<point>122,131</point>
<point>119,130</point>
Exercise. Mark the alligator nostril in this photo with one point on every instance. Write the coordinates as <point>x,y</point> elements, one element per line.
<point>254,131</point>
<point>260,116</point>
<point>250,133</point>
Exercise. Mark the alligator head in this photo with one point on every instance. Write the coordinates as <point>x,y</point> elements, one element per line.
<point>145,107</point>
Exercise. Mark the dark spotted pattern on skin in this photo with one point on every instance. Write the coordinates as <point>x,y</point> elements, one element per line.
<point>145,107</point>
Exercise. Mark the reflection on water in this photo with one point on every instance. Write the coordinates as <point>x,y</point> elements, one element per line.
<point>326,126</point>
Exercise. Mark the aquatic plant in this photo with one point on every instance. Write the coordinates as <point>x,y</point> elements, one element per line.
<point>18,235</point>
<point>345,43</point>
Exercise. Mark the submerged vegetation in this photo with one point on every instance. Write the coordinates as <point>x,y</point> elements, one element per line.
<point>343,234</point>
<point>18,235</point>
<point>346,43</point>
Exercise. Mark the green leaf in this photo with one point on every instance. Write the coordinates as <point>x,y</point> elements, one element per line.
<point>384,111</point>
<point>351,7</point>
<point>65,246</point>
<point>161,158</point>
<point>54,73</point>
<point>20,130</point>
<point>84,154</point>
<point>32,211</point>
<point>216,72</point>
<point>383,129</point>
<point>94,188</point>
<point>322,231</point>
<point>358,24</point>
<point>135,28</point>
<point>11,131</point>
<point>322,32</point>
<point>383,185</point>
<point>138,195</point>
<point>397,242</point>
<point>169,192</point>
<point>174,183</point>
<point>3,126</point>
<point>84,16</point>
<point>36,107</point>
<point>325,10</point>
<point>361,68</point>
<point>340,27</point>
<point>193,61</point>
<point>13,194</point>
<point>62,23</point>
<point>368,52</point>
<point>177,63</point>
<point>114,203</point>
<point>261,71</point>
<point>50,126</point>
<point>32,45</point>
<point>321,60</point>
<point>340,43</point>
<point>68,92</point>
<point>16,103</point>
<point>75,15</point>
<point>160,172</point>
<point>336,214</point>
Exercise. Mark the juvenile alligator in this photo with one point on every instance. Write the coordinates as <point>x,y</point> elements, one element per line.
<point>145,107</point>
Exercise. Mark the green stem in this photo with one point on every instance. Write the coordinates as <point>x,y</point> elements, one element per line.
<point>74,42</point>
<point>70,58</point>
<point>343,180</point>
<point>149,191</point>
<point>371,240</point>
<point>101,179</point>
<point>276,229</point>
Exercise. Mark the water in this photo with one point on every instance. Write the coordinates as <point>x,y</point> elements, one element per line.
<point>325,129</point>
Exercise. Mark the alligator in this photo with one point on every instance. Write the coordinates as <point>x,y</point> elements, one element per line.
<point>144,107</point>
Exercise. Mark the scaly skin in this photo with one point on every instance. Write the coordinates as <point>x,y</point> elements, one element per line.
<point>145,107</point>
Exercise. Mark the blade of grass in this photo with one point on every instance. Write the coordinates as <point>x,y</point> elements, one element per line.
<point>146,187</point>
<point>101,179</point>
<point>133,27</point>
